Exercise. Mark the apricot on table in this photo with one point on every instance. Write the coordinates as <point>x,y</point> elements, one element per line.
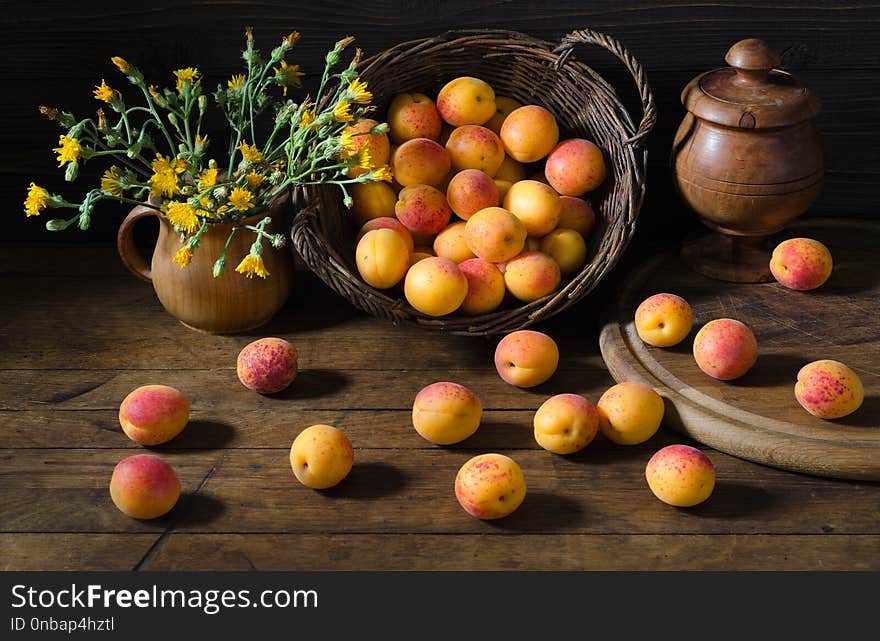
<point>321,456</point>
<point>490,486</point>
<point>153,414</point>
<point>725,349</point>
<point>664,320</point>
<point>566,423</point>
<point>680,475</point>
<point>829,389</point>
<point>801,263</point>
<point>630,413</point>
<point>144,486</point>
<point>526,358</point>
<point>445,413</point>
<point>267,365</point>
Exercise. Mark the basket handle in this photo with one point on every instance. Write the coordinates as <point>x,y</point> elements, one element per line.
<point>649,108</point>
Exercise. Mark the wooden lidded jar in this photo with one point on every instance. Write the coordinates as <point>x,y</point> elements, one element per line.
<point>747,159</point>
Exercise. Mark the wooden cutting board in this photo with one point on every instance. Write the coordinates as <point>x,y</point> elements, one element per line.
<point>757,416</point>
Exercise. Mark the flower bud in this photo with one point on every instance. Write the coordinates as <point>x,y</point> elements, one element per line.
<point>71,172</point>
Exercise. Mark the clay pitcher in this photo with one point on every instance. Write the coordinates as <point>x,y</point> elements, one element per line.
<point>224,305</point>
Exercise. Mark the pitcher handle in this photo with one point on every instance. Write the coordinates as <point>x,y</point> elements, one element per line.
<point>128,251</point>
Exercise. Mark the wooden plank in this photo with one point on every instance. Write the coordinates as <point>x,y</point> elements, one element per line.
<point>314,389</point>
<point>273,428</point>
<point>516,552</point>
<point>600,491</point>
<point>73,552</point>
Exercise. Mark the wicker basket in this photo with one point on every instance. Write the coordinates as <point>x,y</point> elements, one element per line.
<point>530,71</point>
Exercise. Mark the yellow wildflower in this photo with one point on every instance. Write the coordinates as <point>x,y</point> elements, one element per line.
<point>364,159</point>
<point>241,199</point>
<point>110,181</point>
<point>123,66</point>
<point>202,142</point>
<point>383,173</point>
<point>69,151</point>
<point>357,89</point>
<point>255,179</point>
<point>182,216</point>
<point>36,200</point>
<point>346,140</point>
<point>306,119</point>
<point>250,153</point>
<point>208,178</point>
<point>154,92</point>
<point>288,76</point>
<point>252,266</point>
<point>164,178</point>
<point>189,74</point>
<point>183,256</point>
<point>342,112</point>
<point>236,82</point>
<point>291,38</point>
<point>104,93</point>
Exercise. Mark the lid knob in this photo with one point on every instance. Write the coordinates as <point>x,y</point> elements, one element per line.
<point>753,60</point>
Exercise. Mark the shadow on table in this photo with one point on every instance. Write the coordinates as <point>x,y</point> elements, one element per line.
<point>204,435</point>
<point>368,481</point>
<point>314,383</point>
<point>868,415</point>
<point>542,512</point>
<point>733,500</point>
<point>772,369</point>
<point>196,509</point>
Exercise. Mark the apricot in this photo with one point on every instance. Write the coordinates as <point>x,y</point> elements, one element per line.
<point>267,365</point>
<point>535,204</point>
<point>475,147</point>
<point>420,253</point>
<point>567,248</point>
<point>435,286</point>
<point>378,144</point>
<point>529,133</point>
<point>503,108</point>
<point>386,222</point>
<point>828,389</point>
<point>532,275</point>
<point>574,167</point>
<point>801,263</point>
<point>452,244</point>
<point>382,258</point>
<point>526,358</point>
<point>154,414</point>
<point>510,170</point>
<point>576,214</point>
<point>566,423</point>
<point>471,190</point>
<point>680,475</point>
<point>446,413</point>
<point>630,413</point>
<point>420,161</point>
<point>371,200</point>
<point>495,234</point>
<point>485,287</point>
<point>725,349</point>
<point>144,486</point>
<point>664,320</point>
<point>422,209</point>
<point>466,101</point>
<point>413,115</point>
<point>321,456</point>
<point>490,486</point>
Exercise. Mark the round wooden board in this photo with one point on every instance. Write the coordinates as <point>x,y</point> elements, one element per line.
<point>757,416</point>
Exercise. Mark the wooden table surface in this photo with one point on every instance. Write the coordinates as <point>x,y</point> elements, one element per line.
<point>77,333</point>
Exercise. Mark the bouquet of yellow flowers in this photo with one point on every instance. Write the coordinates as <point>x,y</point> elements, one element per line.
<point>161,158</point>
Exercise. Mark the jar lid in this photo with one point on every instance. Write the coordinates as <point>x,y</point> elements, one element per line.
<point>751,93</point>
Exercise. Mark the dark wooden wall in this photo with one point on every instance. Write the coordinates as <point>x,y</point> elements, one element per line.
<point>54,53</point>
